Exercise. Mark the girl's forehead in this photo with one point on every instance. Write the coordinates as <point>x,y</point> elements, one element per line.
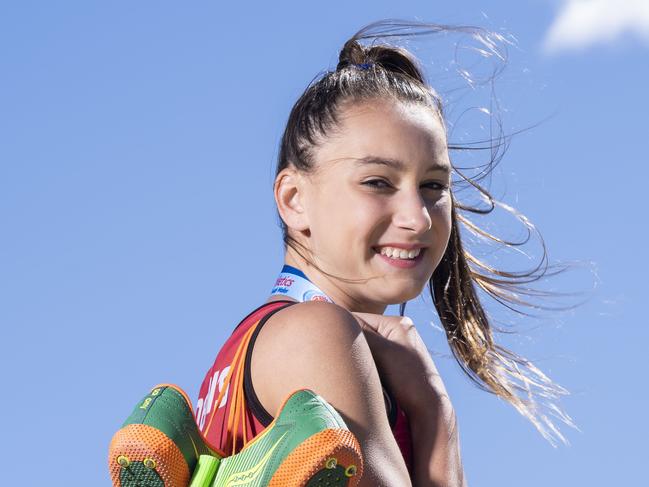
<point>396,131</point>
<point>381,109</point>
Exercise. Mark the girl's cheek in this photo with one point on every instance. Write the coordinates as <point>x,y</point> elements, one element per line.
<point>365,214</point>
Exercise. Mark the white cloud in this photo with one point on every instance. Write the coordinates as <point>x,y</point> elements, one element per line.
<point>582,23</point>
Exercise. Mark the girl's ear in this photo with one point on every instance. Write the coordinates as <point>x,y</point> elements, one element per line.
<point>289,196</point>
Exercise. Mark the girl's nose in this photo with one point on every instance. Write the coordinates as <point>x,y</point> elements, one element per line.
<point>411,213</point>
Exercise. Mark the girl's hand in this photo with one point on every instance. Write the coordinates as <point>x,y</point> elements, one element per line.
<point>404,362</point>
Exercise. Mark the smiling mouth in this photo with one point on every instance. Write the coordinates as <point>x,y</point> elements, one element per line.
<point>398,252</point>
<point>400,256</point>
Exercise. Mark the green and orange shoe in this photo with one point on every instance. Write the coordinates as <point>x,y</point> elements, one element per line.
<point>306,445</point>
<point>159,443</point>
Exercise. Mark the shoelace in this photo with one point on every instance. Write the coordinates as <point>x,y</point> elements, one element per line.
<point>237,412</point>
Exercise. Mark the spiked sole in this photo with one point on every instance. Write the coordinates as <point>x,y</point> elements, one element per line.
<point>330,458</point>
<point>144,456</point>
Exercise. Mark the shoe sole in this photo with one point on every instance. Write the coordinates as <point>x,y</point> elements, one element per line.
<point>144,456</point>
<point>331,457</point>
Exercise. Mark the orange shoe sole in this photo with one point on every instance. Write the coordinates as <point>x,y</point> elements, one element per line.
<point>330,457</point>
<point>143,447</point>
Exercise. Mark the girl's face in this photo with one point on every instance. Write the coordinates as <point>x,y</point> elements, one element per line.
<point>382,182</point>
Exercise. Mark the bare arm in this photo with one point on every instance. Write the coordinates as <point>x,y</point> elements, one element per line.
<point>436,446</point>
<point>404,361</point>
<point>321,346</point>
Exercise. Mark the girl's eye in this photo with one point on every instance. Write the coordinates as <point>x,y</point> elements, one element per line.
<point>377,184</point>
<point>435,186</point>
<point>381,184</point>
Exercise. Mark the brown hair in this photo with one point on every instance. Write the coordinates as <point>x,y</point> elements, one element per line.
<point>381,70</point>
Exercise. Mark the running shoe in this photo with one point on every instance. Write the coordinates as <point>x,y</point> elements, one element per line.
<point>306,445</point>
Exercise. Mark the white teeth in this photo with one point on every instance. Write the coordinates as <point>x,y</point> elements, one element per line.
<point>395,253</point>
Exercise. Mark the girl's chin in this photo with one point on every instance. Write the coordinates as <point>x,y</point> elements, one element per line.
<point>400,294</point>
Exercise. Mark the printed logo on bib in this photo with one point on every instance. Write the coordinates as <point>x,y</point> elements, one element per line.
<point>312,295</point>
<point>204,404</point>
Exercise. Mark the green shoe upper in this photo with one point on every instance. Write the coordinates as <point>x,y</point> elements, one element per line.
<point>166,409</point>
<point>304,414</point>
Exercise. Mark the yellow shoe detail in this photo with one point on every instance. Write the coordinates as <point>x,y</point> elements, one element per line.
<point>244,478</point>
<point>331,463</point>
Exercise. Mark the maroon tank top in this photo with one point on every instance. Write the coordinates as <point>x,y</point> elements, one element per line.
<point>239,416</point>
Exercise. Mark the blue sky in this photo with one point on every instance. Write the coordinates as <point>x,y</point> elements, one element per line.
<point>137,143</point>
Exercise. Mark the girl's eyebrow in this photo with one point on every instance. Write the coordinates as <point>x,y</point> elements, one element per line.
<point>398,164</point>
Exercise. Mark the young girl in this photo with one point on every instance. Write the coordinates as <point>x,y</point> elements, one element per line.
<point>369,219</point>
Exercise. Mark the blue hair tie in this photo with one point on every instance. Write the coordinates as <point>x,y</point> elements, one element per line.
<point>364,65</point>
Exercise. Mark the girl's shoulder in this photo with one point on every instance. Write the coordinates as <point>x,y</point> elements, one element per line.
<point>307,322</point>
<point>311,344</point>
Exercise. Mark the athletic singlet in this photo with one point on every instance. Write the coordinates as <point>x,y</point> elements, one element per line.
<point>240,417</point>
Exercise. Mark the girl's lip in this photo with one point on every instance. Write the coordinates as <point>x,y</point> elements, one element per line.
<point>402,263</point>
